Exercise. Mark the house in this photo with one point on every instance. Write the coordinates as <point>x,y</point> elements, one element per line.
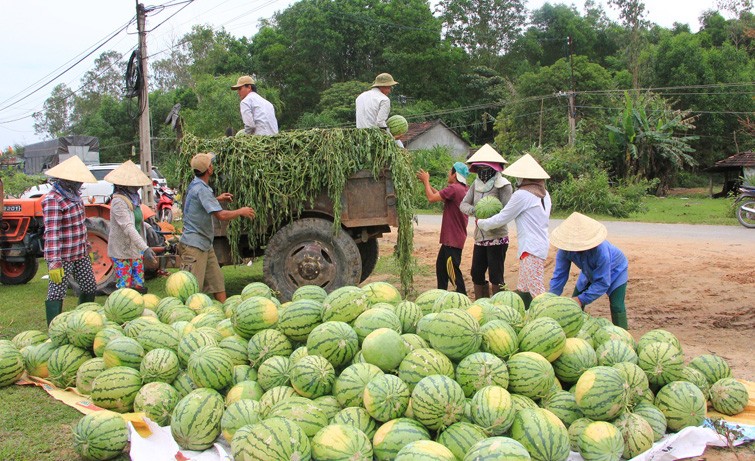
<point>434,133</point>
<point>46,154</point>
<point>734,168</point>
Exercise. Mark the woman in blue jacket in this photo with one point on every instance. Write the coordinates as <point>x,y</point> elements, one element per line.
<point>582,240</point>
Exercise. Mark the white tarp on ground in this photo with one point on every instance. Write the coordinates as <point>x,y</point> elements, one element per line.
<point>687,443</point>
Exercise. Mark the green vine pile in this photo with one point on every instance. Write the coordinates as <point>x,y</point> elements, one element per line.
<point>280,175</point>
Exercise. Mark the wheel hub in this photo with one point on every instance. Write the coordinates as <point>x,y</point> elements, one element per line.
<point>310,263</point>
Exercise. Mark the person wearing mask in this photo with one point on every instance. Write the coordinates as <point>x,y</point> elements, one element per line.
<point>490,247</point>
<point>453,225</point>
<point>581,240</point>
<point>373,106</point>
<point>66,248</point>
<point>195,245</point>
<point>257,113</point>
<point>530,208</point>
<point>127,242</point>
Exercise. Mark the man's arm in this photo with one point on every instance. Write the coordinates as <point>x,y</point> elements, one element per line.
<point>384,110</point>
<point>247,117</point>
<point>228,215</point>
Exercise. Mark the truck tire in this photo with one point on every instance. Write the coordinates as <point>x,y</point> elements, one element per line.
<point>369,254</point>
<point>18,273</point>
<point>98,230</point>
<point>306,252</point>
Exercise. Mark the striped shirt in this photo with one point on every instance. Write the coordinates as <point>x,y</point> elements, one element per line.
<point>65,231</point>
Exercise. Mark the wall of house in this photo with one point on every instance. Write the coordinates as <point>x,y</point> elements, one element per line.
<point>440,136</point>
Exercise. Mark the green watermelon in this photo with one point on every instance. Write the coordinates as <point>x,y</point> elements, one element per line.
<point>195,421</point>
<point>116,388</point>
<point>614,351</point>
<point>493,410</point>
<point>544,336</point>
<point>244,390</point>
<point>637,434</point>
<point>124,305</point>
<point>12,367</point>
<point>564,405</point>
<point>530,374</point>
<point>413,342</point>
<point>424,450</point>
<point>358,418</point>
<point>421,363</point>
<point>312,376</point>
<point>455,333</point>
<point>344,304</point>
<point>181,285</point>
<point>658,335</point>
<point>300,318</point>
<point>713,367</point>
<point>349,386</point>
<point>337,442</point>
<point>575,431</point>
<point>729,396</point>
<point>383,348</point>
<point>100,435</point>
<point>86,374</point>
<point>653,416</point>
<point>372,319</point>
<point>63,364</point>
<point>275,395</point>
<point>253,315</point>
<point>157,401</point>
<point>273,439</point>
<point>636,379</point>
<point>601,393</point>
<point>509,298</point>
<point>381,292</point>
<point>437,402</point>
<point>565,311</point>
<point>256,289</point>
<point>487,207</point>
<point>499,338</point>
<point>397,125</point>
<point>682,403</point>
<point>427,299</point>
<point>236,347</point>
<point>159,365</point>
<point>386,397</point>
<point>211,367</point>
<point>192,342</point>
<point>601,441</point>
<point>35,360</point>
<point>302,411</point>
<point>336,341</point>
<point>239,414</point>
<point>311,292</point>
<point>451,300</point>
<point>274,372</point>
<point>267,343</point>
<point>541,432</point>
<point>460,437</point>
<point>158,336</point>
<point>409,314</point>
<point>497,449</point>
<point>123,351</point>
<point>662,362</point>
<point>481,369</point>
<point>576,357</point>
<point>392,436</point>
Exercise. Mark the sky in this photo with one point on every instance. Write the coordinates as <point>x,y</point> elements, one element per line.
<point>41,39</point>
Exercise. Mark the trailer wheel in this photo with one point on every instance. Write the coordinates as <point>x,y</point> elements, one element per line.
<point>18,273</point>
<point>369,254</point>
<point>306,252</point>
<point>98,230</point>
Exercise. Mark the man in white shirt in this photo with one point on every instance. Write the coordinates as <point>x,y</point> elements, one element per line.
<point>373,106</point>
<point>257,113</point>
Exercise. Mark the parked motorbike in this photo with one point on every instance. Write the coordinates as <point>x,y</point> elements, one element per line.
<point>165,198</point>
<point>746,206</point>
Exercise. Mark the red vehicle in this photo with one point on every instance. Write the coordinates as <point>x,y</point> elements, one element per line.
<point>164,205</point>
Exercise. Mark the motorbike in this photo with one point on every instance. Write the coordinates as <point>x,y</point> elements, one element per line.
<point>746,206</point>
<point>165,198</point>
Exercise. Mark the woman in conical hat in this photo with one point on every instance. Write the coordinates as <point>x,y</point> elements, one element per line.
<point>582,240</point>
<point>489,253</point>
<point>530,207</point>
<point>127,242</point>
<point>66,246</point>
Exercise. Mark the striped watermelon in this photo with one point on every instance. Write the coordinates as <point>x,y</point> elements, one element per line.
<point>601,441</point>
<point>179,314</point>
<point>308,416</point>
<point>159,336</point>
<point>349,386</point>
<point>358,418</point>
<point>413,342</point>
<point>274,372</point>
<point>497,449</point>
<point>311,292</point>
<point>481,369</point>
<point>451,300</point>
<point>637,381</point>
<point>328,404</point>
<point>612,332</point>
<point>542,434</point>
<point>487,207</point>
<point>183,384</point>
<point>381,292</point>
<point>210,366</point>
<point>100,435</point>
<point>372,319</point>
<point>394,435</point>
<point>335,341</point>
<point>274,439</point>
<point>409,314</point>
<point>164,306</point>
<point>244,390</point>
<point>662,362</point>
<point>298,353</point>
<point>236,347</point>
<point>253,315</point>
<point>133,328</point>
<point>455,333</point>
<point>244,373</point>
<point>29,338</point>
<point>427,299</point>
<point>197,301</point>
<point>123,351</point>
<point>636,432</point>
<point>63,364</point>
<point>499,338</point>
<point>713,367</point>
<point>124,304</point>
<point>425,450</point>
<point>658,335</point>
<point>58,329</point>
<point>256,289</point>
<point>383,348</point>
<point>229,306</point>
<point>601,393</point>
<point>312,376</point>
<point>654,417</point>
<point>157,401</point>
<point>344,304</point>
<point>275,395</point>
<point>576,357</point>
<point>424,324</point>
<point>544,336</point>
<point>530,374</point>
<point>36,358</point>
<point>575,431</point>
<point>729,396</point>
<point>519,401</point>
<point>12,366</point>
<point>682,403</point>
<point>493,410</point>
<point>564,405</point>
<point>191,342</point>
<point>225,328</point>
<point>195,421</point>
<point>159,365</point>
<point>239,414</point>
<point>300,318</point>
<point>563,310</point>
<point>698,379</point>
<point>181,285</point>
<point>86,374</point>
<point>103,337</point>
<point>460,437</point>
<point>437,402</point>
<point>509,298</point>
<point>421,363</point>
<point>116,388</point>
<point>386,397</point>
<point>613,352</point>
<point>208,319</point>
<point>537,300</point>
<point>150,301</point>
<point>267,343</point>
<point>341,442</point>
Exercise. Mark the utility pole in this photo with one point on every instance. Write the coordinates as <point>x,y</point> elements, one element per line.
<point>145,146</point>
<point>572,102</point>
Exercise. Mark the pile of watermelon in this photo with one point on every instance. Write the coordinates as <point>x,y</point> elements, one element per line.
<point>360,374</point>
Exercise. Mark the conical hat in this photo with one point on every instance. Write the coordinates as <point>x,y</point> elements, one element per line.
<point>486,153</point>
<point>527,168</point>
<point>72,169</point>
<point>128,174</point>
<point>578,233</point>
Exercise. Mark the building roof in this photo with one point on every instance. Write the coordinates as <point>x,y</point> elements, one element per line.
<point>734,162</point>
<point>419,128</point>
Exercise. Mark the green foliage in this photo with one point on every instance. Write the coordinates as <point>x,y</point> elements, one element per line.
<point>438,162</point>
<point>592,193</point>
<point>15,182</point>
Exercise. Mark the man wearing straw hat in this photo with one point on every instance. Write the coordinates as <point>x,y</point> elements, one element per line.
<point>530,207</point>
<point>127,242</point>
<point>489,253</point>
<point>66,247</point>
<point>582,240</point>
<point>453,225</point>
<point>257,113</point>
<point>373,106</point>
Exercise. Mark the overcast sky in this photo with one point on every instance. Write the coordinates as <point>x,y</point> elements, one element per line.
<point>40,39</point>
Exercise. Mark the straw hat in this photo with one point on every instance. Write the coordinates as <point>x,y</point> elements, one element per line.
<point>486,153</point>
<point>128,174</point>
<point>578,233</point>
<point>384,80</point>
<point>243,80</point>
<point>527,168</point>
<point>72,169</point>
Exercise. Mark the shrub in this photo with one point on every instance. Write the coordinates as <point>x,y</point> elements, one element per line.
<point>438,162</point>
<point>592,193</point>
<point>15,182</point>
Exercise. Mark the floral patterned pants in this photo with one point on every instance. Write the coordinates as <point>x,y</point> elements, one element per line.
<point>129,273</point>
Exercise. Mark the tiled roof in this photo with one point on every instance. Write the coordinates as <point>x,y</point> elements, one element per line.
<point>416,129</point>
<point>735,161</point>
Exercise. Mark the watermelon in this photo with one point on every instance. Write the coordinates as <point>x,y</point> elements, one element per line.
<point>208,319</point>
<point>713,367</point>
<point>509,298</point>
<point>133,328</point>
<point>328,404</point>
<point>460,437</point>
<point>256,289</point>
<point>36,359</point>
<point>575,431</point>
<point>230,305</point>
<point>116,388</point>
<point>493,410</point>
<point>103,337</point>
<point>165,305</point>
<point>481,369</point>
<point>544,336</point>
<point>274,439</point>
<point>12,367</point>
<point>421,363</point>
<point>601,441</point>
<point>662,362</point>
<point>29,338</point>
<point>497,449</point>
<point>729,396</point>
<point>86,374</point>
<point>195,421</point>
<point>698,379</point>
<point>372,319</point>
<point>253,315</point>
<point>383,348</point>
<point>530,374</point>
<point>658,335</point>
<point>344,304</point>
<point>159,336</point>
<point>181,285</point>
<point>183,384</point>
<point>636,432</point>
<point>157,401</point>
<point>565,311</point>
<point>274,372</point>
<point>386,397</point>
<point>58,329</point>
<point>397,125</point>
<point>682,403</point>
<point>312,376</point>
<point>341,442</point>
<point>236,347</point>
<point>275,395</point>
<point>159,365</point>
<point>614,351</point>
<point>413,342</point>
<point>381,292</point>
<point>576,357</point>
<point>392,436</point>
<point>179,314</point>
<point>123,351</point>
<point>350,384</point>
<point>519,401</point>
<point>311,292</point>
<point>100,435</point>
<point>267,343</point>
<point>541,432</point>
<point>451,300</point>
<point>499,338</point>
<point>244,373</point>
<point>455,333</point>
<point>191,342</point>
<point>63,364</point>
<point>601,393</point>
<point>298,353</point>
<point>308,416</point>
<point>426,299</point>
<point>437,402</point>
<point>211,367</point>
<point>244,390</point>
<point>409,314</point>
<point>564,405</point>
<point>358,418</point>
<point>336,341</point>
<point>239,414</point>
<point>425,450</point>
<point>300,318</point>
<point>487,207</point>
<point>225,328</point>
<point>636,379</point>
<point>653,416</point>
<point>123,305</point>
<point>424,324</point>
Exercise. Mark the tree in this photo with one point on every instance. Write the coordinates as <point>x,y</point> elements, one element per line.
<point>54,119</point>
<point>632,13</point>
<point>106,78</point>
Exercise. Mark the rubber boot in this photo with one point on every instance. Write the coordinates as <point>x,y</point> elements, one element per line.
<point>619,319</point>
<point>526,297</point>
<point>481,291</point>
<point>494,288</point>
<point>86,298</point>
<point>141,290</point>
<point>53,308</point>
